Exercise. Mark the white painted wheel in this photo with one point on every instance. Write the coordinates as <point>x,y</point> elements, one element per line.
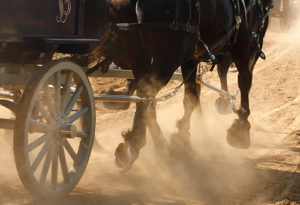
<point>54,130</point>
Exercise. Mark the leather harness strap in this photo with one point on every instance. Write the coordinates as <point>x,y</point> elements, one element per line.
<point>155,26</point>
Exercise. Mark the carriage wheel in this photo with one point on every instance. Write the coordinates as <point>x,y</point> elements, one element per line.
<point>54,131</point>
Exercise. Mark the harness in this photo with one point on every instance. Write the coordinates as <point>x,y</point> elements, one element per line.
<point>174,26</point>
<point>227,39</point>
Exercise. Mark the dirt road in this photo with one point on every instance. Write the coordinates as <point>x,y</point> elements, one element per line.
<point>267,173</point>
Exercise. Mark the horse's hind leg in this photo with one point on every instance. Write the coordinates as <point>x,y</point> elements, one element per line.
<point>190,102</point>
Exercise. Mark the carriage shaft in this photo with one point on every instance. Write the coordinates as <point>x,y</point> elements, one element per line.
<point>118,98</point>
<point>117,73</point>
<point>218,90</point>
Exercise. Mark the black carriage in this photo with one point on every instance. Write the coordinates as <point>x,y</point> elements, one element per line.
<point>52,99</point>
<point>286,11</point>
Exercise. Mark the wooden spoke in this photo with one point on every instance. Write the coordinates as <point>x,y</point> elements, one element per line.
<point>73,100</point>
<point>46,166</point>
<point>40,157</point>
<point>38,142</point>
<point>66,90</point>
<point>38,126</point>
<point>45,112</point>
<point>63,164</point>
<point>50,101</point>
<point>57,92</point>
<point>77,115</point>
<point>71,152</point>
<point>54,168</point>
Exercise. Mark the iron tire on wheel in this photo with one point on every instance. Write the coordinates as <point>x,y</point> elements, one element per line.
<point>54,130</point>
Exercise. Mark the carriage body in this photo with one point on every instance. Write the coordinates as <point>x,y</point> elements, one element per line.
<point>34,18</point>
<point>31,31</point>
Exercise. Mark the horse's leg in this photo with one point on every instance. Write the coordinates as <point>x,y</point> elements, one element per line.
<point>190,102</point>
<point>130,86</point>
<point>224,62</point>
<point>158,76</point>
<point>159,141</point>
<point>238,135</point>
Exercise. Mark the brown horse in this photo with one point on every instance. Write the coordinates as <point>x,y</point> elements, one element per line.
<point>184,33</point>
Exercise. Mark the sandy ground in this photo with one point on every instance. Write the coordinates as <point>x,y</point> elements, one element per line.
<point>267,173</point>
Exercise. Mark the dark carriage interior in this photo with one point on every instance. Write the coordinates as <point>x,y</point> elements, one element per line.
<point>32,32</point>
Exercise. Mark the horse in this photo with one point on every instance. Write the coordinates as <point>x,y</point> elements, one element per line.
<point>183,33</point>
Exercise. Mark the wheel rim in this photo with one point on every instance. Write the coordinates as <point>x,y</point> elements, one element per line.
<point>58,131</point>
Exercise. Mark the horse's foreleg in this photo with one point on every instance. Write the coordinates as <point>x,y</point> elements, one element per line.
<point>238,135</point>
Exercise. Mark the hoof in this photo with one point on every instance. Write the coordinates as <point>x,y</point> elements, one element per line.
<point>238,135</point>
<point>224,106</point>
<point>116,105</point>
<point>124,157</point>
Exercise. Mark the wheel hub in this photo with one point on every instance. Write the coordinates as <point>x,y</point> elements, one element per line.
<point>69,131</point>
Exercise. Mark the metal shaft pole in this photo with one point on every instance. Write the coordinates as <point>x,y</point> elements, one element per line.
<point>118,98</point>
<point>218,90</point>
